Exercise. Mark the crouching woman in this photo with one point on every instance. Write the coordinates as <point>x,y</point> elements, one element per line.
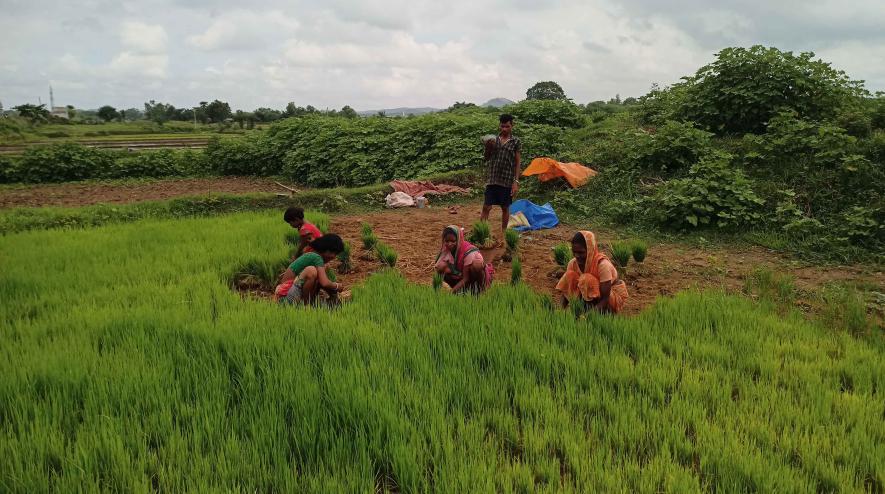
<point>592,278</point>
<point>306,276</point>
<point>461,264</point>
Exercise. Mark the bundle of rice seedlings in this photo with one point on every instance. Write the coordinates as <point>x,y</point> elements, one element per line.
<point>368,237</point>
<point>481,234</point>
<point>437,281</point>
<point>621,253</point>
<point>640,249</point>
<point>511,237</point>
<point>323,225</point>
<point>386,254</point>
<point>515,271</point>
<point>562,254</point>
<point>345,265</point>
<point>365,229</point>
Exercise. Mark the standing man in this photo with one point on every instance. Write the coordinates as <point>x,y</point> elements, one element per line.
<point>502,157</point>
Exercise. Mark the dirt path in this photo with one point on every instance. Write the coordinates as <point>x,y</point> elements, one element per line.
<point>669,268</point>
<point>83,194</point>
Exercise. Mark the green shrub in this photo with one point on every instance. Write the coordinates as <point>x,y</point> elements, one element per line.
<point>61,163</point>
<point>386,254</point>
<point>562,254</point>
<point>639,250</point>
<point>251,155</point>
<point>556,113</point>
<point>714,194</point>
<point>481,234</point>
<point>673,147</point>
<point>863,225</point>
<point>515,271</point>
<point>621,253</point>
<point>744,88</point>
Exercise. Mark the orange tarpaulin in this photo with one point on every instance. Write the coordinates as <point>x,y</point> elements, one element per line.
<point>575,173</point>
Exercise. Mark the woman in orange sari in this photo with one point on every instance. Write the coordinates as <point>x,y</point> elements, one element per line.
<point>592,277</point>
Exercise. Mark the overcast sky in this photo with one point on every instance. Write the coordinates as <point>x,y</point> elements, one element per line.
<point>386,53</point>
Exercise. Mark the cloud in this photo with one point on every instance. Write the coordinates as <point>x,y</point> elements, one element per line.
<point>139,37</point>
<point>243,30</point>
<point>129,64</point>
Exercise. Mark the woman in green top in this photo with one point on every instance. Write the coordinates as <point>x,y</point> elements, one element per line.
<point>302,281</point>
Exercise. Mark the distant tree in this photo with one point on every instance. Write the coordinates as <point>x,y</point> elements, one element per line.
<point>107,113</point>
<point>35,113</point>
<point>244,119</point>
<point>631,101</point>
<point>218,111</point>
<point>71,111</point>
<point>267,114</point>
<point>348,112</point>
<point>297,111</point>
<point>546,90</point>
<point>132,114</point>
<point>461,104</point>
<point>121,115</point>
<point>158,112</point>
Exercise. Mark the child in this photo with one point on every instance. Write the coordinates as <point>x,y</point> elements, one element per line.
<point>461,263</point>
<point>308,232</point>
<point>592,277</point>
<point>302,281</point>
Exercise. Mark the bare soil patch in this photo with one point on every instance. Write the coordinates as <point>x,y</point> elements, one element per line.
<point>84,194</point>
<point>668,269</point>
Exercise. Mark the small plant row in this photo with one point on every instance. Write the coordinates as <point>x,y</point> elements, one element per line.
<point>385,253</point>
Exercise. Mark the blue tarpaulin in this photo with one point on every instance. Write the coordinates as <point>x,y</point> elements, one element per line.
<point>539,216</point>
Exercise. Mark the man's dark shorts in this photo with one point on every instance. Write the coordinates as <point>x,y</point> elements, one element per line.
<point>498,195</point>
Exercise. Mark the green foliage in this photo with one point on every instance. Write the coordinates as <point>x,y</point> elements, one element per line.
<point>386,254</point>
<point>515,271</point>
<point>562,254</point>
<point>511,237</point>
<point>115,381</point>
<point>556,113</point>
<point>61,163</point>
<point>481,234</point>
<point>108,113</point>
<point>245,156</point>
<point>621,253</point>
<point>34,113</point>
<point>546,90</point>
<point>673,147</point>
<point>746,87</point>
<point>639,250</point>
<point>714,194</point>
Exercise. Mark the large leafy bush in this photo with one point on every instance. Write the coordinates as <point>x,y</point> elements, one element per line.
<point>745,87</point>
<point>558,113</point>
<point>714,194</point>
<point>61,163</point>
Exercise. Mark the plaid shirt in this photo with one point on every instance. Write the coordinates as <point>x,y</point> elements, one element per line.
<point>502,163</point>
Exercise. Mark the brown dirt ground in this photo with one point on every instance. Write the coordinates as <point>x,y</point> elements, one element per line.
<point>668,269</point>
<point>83,194</point>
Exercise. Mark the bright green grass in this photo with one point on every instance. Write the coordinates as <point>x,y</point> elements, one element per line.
<point>127,364</point>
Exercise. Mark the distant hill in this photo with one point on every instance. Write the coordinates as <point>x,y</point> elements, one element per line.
<point>497,103</point>
<point>399,112</point>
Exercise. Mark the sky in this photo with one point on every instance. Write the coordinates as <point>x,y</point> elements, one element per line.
<point>374,54</point>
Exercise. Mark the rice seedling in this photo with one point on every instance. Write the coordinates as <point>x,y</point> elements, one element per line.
<point>511,237</point>
<point>844,309</point>
<point>292,237</point>
<point>481,234</point>
<point>345,263</point>
<point>640,250</point>
<point>769,286</point>
<point>621,253</point>
<point>170,381</point>
<point>322,225</point>
<point>562,254</point>
<point>515,271</point>
<point>386,254</point>
<point>437,281</point>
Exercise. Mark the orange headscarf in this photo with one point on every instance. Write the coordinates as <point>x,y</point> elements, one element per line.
<point>583,280</point>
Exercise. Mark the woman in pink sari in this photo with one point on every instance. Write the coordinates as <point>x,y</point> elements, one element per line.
<point>461,264</point>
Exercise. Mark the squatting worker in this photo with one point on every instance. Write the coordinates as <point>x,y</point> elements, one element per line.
<point>502,157</point>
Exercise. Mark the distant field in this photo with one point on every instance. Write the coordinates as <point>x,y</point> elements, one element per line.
<point>15,131</point>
